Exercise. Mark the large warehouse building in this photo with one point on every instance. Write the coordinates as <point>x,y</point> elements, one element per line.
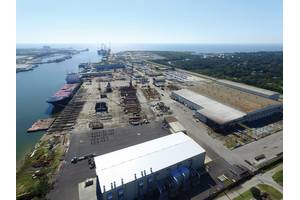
<point>220,107</point>
<point>250,89</point>
<point>156,169</point>
<point>209,111</point>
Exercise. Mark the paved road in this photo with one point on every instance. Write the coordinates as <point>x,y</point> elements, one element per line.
<point>270,145</point>
<point>198,132</point>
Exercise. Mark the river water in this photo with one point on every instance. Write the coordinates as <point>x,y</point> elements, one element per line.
<point>34,87</point>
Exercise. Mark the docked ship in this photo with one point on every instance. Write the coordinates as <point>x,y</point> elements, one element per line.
<point>66,92</point>
<point>73,78</point>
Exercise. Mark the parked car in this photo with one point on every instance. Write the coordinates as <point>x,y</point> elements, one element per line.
<point>74,160</point>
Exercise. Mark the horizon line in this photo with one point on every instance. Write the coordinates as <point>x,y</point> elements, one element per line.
<point>223,43</point>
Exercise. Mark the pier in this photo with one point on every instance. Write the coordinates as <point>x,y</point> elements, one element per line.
<point>41,125</point>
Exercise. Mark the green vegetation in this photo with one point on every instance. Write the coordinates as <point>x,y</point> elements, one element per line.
<point>272,192</point>
<point>256,193</point>
<point>227,182</point>
<point>271,166</point>
<point>231,143</point>
<point>278,177</point>
<point>261,69</point>
<point>35,175</point>
<point>244,196</point>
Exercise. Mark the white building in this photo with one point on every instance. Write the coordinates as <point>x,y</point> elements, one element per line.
<point>143,169</point>
<point>207,110</point>
<point>218,115</point>
<point>176,127</point>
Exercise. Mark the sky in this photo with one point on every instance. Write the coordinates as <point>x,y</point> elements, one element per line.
<point>149,21</point>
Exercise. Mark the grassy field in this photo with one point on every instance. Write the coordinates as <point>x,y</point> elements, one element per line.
<point>274,194</point>
<point>244,196</point>
<point>278,177</point>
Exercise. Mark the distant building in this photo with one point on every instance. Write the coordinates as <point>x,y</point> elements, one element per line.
<point>251,89</point>
<point>108,66</point>
<point>47,47</point>
<point>158,169</point>
<point>159,81</point>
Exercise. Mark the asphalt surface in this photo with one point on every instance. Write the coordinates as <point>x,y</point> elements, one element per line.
<point>270,146</point>
<point>98,142</point>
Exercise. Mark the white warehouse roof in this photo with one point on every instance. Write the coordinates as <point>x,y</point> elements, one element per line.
<point>248,87</point>
<point>211,109</point>
<point>156,154</point>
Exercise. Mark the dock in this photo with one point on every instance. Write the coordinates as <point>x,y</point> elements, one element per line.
<point>67,118</point>
<point>41,125</point>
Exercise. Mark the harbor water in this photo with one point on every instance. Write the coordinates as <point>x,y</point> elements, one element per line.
<point>33,88</point>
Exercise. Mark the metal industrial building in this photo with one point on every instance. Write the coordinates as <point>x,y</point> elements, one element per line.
<point>220,111</point>
<point>250,89</point>
<point>157,169</point>
<point>207,110</point>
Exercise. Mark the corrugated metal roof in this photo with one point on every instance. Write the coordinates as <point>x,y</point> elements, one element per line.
<point>156,154</point>
<point>211,109</point>
<point>249,87</point>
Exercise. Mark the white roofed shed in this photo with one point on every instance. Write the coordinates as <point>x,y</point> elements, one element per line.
<point>209,108</point>
<point>124,166</point>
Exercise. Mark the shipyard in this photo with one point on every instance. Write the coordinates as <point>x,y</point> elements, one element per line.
<point>149,100</point>
<point>125,103</point>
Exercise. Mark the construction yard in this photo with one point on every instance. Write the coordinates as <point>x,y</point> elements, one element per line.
<point>116,111</point>
<point>150,93</point>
